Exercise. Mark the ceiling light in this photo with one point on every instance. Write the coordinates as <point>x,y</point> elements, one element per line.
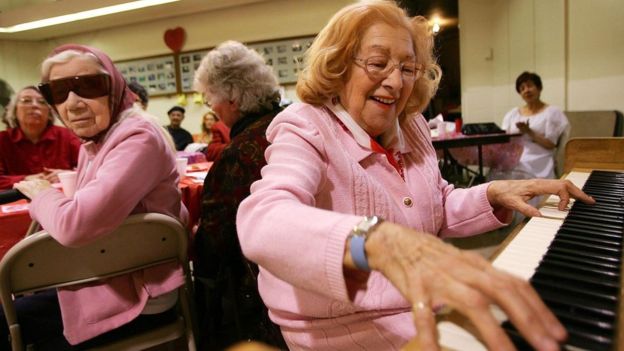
<point>133,5</point>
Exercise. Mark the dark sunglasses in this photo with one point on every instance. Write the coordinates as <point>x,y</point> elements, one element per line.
<point>90,86</point>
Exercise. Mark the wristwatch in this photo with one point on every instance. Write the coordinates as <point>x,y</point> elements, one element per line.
<point>358,235</point>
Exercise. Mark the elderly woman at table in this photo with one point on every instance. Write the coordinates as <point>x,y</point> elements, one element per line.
<point>126,166</point>
<point>242,90</point>
<point>541,125</point>
<point>346,222</point>
<point>33,147</point>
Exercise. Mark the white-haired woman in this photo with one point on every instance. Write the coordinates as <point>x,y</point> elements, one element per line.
<point>243,91</point>
<point>33,147</point>
<point>126,166</point>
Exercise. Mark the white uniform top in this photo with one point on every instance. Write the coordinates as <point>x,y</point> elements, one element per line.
<point>550,122</point>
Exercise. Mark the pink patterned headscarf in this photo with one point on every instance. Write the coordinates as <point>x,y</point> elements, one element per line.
<point>120,96</point>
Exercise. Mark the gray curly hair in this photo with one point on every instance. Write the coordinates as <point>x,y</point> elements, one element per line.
<point>11,109</point>
<point>235,72</point>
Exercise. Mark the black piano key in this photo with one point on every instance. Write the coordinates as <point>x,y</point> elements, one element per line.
<point>589,237</point>
<point>591,248</point>
<point>588,263</point>
<point>579,280</point>
<point>606,259</point>
<point>597,230</point>
<point>588,294</point>
<point>593,314</point>
<point>599,273</point>
<point>576,302</point>
<point>588,226</point>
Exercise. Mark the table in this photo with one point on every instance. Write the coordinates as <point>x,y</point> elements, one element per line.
<point>461,141</point>
<point>15,219</point>
<point>14,222</point>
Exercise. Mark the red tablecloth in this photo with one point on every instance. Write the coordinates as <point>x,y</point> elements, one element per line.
<point>13,225</point>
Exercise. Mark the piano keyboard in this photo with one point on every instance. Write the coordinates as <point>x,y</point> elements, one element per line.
<point>573,264</point>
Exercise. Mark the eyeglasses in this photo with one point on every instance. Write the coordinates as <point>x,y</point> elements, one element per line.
<point>27,100</point>
<point>379,67</point>
<point>88,86</point>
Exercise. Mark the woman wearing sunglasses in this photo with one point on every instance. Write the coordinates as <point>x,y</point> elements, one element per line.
<point>33,147</point>
<point>126,166</point>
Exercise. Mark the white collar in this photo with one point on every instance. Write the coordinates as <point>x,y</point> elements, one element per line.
<point>392,139</point>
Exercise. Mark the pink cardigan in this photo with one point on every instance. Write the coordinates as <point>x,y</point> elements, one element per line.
<point>318,184</point>
<point>132,171</point>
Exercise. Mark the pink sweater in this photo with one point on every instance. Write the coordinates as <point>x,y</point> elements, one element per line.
<point>132,171</point>
<point>318,184</point>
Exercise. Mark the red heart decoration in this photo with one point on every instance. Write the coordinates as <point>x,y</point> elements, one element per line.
<point>174,38</point>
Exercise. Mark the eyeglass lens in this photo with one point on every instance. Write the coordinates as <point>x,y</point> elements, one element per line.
<point>381,66</point>
<point>32,101</point>
<point>88,86</point>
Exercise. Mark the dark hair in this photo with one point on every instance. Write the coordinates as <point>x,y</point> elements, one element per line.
<point>176,108</point>
<point>140,91</point>
<point>528,77</point>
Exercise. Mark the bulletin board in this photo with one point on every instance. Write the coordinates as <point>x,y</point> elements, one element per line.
<point>188,63</point>
<point>157,74</point>
<point>174,73</point>
<point>285,56</point>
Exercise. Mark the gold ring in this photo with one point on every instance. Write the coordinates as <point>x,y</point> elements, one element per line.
<point>420,305</point>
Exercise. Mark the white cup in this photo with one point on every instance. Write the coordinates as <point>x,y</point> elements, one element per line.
<point>181,164</point>
<point>68,182</point>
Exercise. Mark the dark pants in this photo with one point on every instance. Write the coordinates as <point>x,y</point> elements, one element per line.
<point>39,316</point>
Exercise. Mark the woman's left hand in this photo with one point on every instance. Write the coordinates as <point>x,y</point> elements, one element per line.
<point>51,174</point>
<point>514,194</point>
<point>31,188</point>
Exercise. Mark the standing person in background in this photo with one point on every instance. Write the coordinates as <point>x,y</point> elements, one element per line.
<point>334,274</point>
<point>242,90</point>
<point>181,137</point>
<point>541,125</point>
<point>141,94</point>
<point>33,147</point>
<point>126,166</point>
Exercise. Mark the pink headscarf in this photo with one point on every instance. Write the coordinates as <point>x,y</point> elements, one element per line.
<point>120,96</point>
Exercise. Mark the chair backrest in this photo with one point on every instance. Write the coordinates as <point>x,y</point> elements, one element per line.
<point>594,153</point>
<point>588,124</point>
<point>39,262</point>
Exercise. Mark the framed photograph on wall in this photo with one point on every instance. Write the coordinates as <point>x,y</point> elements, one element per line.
<point>188,63</point>
<point>157,74</point>
<point>285,56</point>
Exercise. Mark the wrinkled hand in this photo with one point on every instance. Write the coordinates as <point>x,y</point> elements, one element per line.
<point>524,127</point>
<point>31,188</point>
<point>51,174</point>
<point>429,273</point>
<point>514,194</point>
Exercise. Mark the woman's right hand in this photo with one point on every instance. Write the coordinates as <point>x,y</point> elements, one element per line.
<point>430,273</point>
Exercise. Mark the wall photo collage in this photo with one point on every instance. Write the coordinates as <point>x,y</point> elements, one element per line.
<point>173,73</point>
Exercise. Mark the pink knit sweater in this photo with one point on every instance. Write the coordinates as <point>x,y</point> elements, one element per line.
<point>318,184</point>
<point>132,171</point>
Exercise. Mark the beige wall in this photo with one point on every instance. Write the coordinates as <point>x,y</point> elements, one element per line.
<point>248,23</point>
<point>498,40</point>
<point>501,38</point>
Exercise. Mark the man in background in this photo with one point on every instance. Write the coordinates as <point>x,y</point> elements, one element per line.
<point>181,137</point>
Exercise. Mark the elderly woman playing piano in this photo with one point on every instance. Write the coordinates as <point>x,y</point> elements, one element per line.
<point>346,222</point>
